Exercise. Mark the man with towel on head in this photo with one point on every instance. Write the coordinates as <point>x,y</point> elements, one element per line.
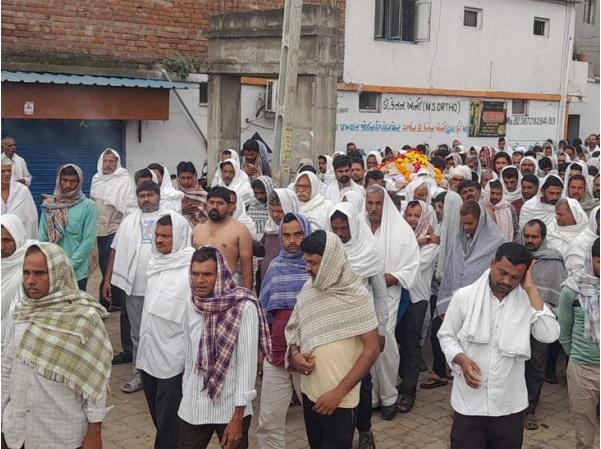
<point>13,249</point>
<point>17,199</point>
<point>231,176</point>
<point>112,191</point>
<point>194,202</point>
<point>542,205</point>
<point>469,253</point>
<point>400,253</point>
<point>56,363</point>
<point>312,203</point>
<point>171,199</point>
<point>69,220</point>
<point>162,348</point>
<point>360,247</point>
<point>574,256</point>
<point>570,220</point>
<point>282,283</point>
<point>485,336</point>
<point>332,341</point>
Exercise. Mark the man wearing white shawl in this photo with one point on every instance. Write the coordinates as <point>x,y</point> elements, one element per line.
<point>579,337</point>
<point>17,199</point>
<point>326,169</point>
<point>511,180</point>
<point>13,250</point>
<point>231,176</point>
<point>20,172</point>
<point>548,275</point>
<point>374,158</point>
<point>485,336</point>
<point>570,220</point>
<point>112,191</point>
<point>238,213</point>
<point>458,174</point>
<point>171,198</point>
<point>574,256</point>
<point>312,203</point>
<point>131,251</point>
<point>332,341</point>
<point>255,159</point>
<point>361,250</point>
<point>542,206</point>
<point>162,349</point>
<point>500,210</point>
<point>399,251</point>
<point>336,190</point>
<point>469,252</point>
<point>409,329</point>
<point>529,165</point>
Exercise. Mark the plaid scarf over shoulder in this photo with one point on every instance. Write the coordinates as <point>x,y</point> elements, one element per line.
<point>222,314</point>
<point>57,206</point>
<point>65,340</point>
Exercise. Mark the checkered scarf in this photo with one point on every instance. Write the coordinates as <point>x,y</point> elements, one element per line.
<point>222,314</point>
<point>194,204</point>
<point>57,206</point>
<point>65,340</point>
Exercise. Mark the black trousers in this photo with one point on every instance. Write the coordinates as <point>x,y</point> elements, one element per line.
<point>163,397</point>
<point>364,409</point>
<point>487,432</point>
<point>199,437</point>
<point>409,334</point>
<point>329,432</point>
<point>82,284</point>
<point>439,363</point>
<point>104,250</point>
<point>535,372</point>
<point>554,349</point>
<point>125,330</point>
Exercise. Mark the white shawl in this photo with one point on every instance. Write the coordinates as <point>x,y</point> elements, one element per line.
<point>171,198</point>
<point>562,237</point>
<point>361,249</point>
<point>398,247</point>
<point>115,189</point>
<point>289,203</point>
<point>128,241</point>
<point>574,256</point>
<point>517,193</point>
<point>20,203</point>
<point>241,216</point>
<point>535,208</point>
<point>333,193</point>
<point>12,270</point>
<point>328,177</point>
<point>317,209</point>
<point>181,251</point>
<point>356,200</point>
<point>515,325</point>
<point>240,184</point>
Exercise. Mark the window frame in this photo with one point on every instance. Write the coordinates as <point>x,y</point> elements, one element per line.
<point>589,8</point>
<point>525,111</point>
<point>201,85</point>
<point>478,12</point>
<point>547,24</point>
<point>378,102</point>
<point>383,22</point>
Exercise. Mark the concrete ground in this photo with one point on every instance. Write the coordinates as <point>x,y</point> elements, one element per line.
<point>427,426</point>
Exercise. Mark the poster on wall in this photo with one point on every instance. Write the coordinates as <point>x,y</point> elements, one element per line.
<point>487,118</point>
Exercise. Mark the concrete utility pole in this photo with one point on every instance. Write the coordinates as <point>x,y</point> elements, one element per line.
<point>568,47</point>
<point>286,94</point>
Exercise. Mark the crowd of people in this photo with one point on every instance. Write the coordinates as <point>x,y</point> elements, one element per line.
<point>324,291</point>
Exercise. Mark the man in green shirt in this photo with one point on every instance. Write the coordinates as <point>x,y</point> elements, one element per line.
<point>579,337</point>
<point>69,220</point>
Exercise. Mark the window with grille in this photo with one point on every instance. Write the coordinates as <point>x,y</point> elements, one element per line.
<point>369,101</point>
<point>395,20</point>
<point>472,17</point>
<point>589,11</point>
<point>203,93</point>
<point>519,107</point>
<point>541,27</point>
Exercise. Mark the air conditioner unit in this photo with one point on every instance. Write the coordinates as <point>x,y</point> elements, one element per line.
<point>271,95</point>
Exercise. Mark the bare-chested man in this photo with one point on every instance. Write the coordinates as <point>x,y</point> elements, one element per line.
<point>226,234</point>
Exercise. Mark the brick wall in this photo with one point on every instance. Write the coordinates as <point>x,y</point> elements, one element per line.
<point>114,33</point>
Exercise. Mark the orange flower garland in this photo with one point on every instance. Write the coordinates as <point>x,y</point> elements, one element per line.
<point>411,162</point>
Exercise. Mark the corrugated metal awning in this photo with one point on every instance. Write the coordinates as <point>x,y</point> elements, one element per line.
<point>88,80</point>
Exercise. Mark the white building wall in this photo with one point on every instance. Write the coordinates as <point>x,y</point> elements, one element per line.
<point>503,54</point>
<point>169,141</point>
<point>588,110</point>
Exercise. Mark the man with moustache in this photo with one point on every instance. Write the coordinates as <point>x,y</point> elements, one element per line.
<point>228,235</point>
<point>131,251</point>
<point>542,205</point>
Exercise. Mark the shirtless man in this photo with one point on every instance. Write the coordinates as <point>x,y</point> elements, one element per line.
<point>226,234</point>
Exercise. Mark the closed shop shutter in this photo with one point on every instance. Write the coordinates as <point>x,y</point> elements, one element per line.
<point>48,144</point>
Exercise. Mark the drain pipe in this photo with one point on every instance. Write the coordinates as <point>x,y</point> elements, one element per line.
<point>203,137</point>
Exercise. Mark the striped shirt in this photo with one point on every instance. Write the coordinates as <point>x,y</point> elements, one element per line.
<point>196,407</point>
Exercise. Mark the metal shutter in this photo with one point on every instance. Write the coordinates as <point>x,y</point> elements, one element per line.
<point>47,144</point>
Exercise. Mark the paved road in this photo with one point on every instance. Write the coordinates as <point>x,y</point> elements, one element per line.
<point>128,425</point>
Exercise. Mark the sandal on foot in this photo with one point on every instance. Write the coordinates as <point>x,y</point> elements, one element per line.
<point>405,406</point>
<point>434,382</point>
<point>530,422</point>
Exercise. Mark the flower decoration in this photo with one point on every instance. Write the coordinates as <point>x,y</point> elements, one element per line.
<point>409,164</point>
